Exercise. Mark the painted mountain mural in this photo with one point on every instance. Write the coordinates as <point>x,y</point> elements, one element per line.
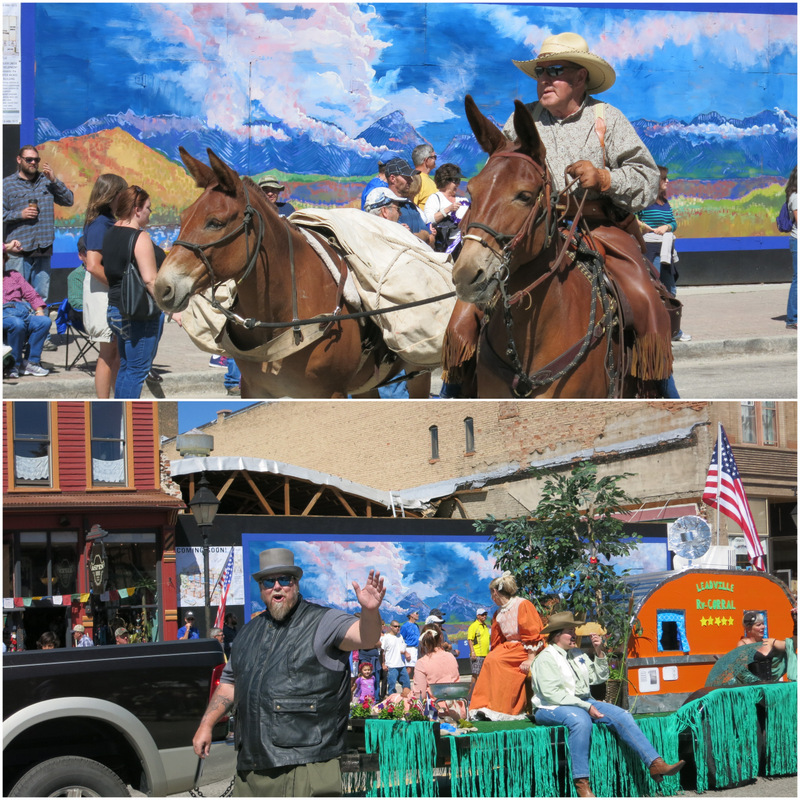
<point>318,94</point>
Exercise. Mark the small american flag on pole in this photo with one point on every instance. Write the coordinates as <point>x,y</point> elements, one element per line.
<point>225,581</point>
<point>725,492</point>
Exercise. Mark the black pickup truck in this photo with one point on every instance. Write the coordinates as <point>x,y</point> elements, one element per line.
<point>94,721</point>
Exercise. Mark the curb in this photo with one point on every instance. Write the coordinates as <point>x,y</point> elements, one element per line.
<point>174,387</point>
<point>723,348</point>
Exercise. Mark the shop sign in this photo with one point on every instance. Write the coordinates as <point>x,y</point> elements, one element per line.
<point>66,572</point>
<point>98,567</point>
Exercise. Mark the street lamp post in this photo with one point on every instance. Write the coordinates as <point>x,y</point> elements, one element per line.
<point>204,507</point>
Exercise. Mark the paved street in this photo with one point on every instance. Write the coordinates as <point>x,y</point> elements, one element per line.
<point>769,376</point>
<point>740,348</point>
<point>761,787</point>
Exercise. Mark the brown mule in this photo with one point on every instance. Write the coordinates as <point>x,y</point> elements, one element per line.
<point>233,232</point>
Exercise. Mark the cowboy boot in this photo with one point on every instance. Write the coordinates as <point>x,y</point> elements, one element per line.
<point>583,788</point>
<point>659,768</point>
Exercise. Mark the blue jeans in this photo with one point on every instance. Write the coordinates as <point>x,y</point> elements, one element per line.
<point>36,272</point>
<point>233,377</point>
<point>791,306</point>
<point>21,328</point>
<point>397,675</point>
<point>579,724</point>
<point>137,342</point>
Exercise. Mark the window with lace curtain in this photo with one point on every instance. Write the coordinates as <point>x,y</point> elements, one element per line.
<point>108,440</point>
<point>759,422</point>
<point>32,444</point>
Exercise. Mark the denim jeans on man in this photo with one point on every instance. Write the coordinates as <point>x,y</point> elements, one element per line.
<point>233,377</point>
<point>579,724</point>
<point>137,342</point>
<point>791,306</point>
<point>397,675</point>
<point>35,270</point>
<point>21,325</point>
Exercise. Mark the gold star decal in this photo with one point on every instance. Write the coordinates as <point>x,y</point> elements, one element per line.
<point>703,622</point>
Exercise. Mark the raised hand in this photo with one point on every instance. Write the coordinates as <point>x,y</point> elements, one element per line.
<point>371,596</point>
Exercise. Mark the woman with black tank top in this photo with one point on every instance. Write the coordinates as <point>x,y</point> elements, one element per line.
<point>137,339</point>
<point>769,660</point>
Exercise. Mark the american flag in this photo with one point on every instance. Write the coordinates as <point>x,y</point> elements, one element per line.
<point>726,485</point>
<point>225,581</point>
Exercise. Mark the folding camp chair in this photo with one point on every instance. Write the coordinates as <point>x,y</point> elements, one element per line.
<point>69,324</point>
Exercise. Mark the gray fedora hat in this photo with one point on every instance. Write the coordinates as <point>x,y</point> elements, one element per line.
<point>275,561</point>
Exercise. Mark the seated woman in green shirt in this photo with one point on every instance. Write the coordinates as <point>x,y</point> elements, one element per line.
<point>561,676</point>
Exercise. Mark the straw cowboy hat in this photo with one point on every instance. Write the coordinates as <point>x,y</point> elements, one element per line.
<point>275,561</point>
<point>571,47</point>
<point>590,627</point>
<point>561,620</point>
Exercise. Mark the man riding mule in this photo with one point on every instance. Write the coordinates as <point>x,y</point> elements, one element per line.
<point>599,173</point>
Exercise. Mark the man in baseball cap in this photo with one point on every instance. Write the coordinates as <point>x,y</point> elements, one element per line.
<point>272,188</point>
<point>478,638</point>
<point>401,180</point>
<point>80,638</point>
<point>188,630</point>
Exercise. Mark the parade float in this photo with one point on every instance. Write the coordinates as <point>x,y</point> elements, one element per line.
<point>686,621</point>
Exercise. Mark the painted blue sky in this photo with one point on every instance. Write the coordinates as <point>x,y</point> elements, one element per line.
<point>334,69</point>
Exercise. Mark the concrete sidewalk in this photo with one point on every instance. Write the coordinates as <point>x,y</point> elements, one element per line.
<point>724,322</point>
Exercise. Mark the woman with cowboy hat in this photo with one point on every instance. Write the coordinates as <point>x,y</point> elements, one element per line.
<point>561,677</point>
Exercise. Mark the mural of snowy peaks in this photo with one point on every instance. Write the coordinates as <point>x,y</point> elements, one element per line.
<point>707,147</point>
<point>320,93</point>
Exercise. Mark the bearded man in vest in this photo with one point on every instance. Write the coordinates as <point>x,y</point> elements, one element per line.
<point>288,677</point>
<point>603,156</point>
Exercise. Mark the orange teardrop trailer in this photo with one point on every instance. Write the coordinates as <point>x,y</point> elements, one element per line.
<point>687,620</point>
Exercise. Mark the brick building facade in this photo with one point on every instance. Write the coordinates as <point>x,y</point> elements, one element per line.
<point>469,459</point>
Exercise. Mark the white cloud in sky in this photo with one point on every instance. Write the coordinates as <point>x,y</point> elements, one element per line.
<point>731,39</point>
<point>308,70</point>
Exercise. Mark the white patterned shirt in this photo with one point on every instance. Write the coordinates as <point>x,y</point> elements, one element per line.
<point>634,174</point>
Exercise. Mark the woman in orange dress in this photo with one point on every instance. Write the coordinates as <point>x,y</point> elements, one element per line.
<point>503,690</point>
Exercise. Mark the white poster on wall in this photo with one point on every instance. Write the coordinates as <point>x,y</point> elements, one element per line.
<point>12,65</point>
<point>189,567</point>
<point>648,680</point>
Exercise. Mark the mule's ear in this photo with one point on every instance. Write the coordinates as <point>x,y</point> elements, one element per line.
<point>489,136</point>
<point>228,179</point>
<point>527,134</point>
<point>202,174</point>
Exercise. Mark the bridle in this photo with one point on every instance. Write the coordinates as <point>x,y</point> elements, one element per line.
<point>540,210</point>
<point>243,227</point>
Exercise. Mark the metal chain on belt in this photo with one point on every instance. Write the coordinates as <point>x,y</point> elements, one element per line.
<point>227,793</point>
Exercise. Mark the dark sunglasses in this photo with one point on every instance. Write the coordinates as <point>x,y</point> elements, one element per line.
<point>283,580</point>
<point>31,160</point>
<point>553,71</point>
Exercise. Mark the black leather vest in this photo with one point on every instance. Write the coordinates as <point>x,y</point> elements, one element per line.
<point>291,709</point>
